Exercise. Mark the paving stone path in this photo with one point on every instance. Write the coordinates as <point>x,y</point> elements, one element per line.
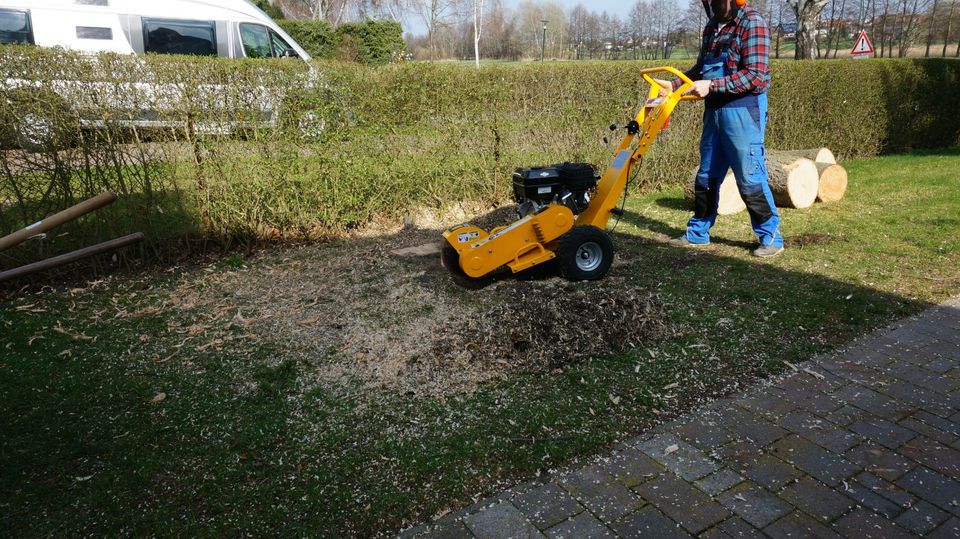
<point>863,442</point>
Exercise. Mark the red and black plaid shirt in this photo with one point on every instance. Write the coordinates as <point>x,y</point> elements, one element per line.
<point>746,38</point>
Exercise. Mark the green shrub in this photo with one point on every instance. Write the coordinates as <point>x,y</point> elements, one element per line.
<point>378,42</point>
<point>346,141</point>
<point>271,10</point>
<point>316,37</point>
<point>369,42</point>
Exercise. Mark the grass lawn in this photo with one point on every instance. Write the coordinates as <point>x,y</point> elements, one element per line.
<point>113,421</point>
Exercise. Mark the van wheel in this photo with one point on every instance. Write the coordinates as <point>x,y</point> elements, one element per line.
<point>39,123</point>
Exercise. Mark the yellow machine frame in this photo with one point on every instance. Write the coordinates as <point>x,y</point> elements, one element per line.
<point>532,240</point>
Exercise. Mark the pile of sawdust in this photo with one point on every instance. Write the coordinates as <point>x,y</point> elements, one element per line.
<point>382,311</point>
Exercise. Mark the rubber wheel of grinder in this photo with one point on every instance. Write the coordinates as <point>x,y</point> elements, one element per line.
<point>585,253</point>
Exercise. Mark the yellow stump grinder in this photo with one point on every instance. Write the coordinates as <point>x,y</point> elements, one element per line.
<point>563,209</point>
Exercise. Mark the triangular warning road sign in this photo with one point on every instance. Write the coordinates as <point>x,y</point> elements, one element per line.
<point>863,45</point>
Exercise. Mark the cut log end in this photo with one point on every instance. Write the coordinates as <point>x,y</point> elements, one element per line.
<point>833,182</point>
<point>794,182</point>
<point>730,200</point>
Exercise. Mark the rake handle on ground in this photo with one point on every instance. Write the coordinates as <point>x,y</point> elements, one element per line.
<point>60,260</point>
<point>56,219</point>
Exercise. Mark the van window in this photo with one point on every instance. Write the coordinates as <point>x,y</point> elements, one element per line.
<point>280,46</point>
<point>94,32</point>
<point>180,37</point>
<point>262,42</point>
<point>256,41</point>
<point>15,27</point>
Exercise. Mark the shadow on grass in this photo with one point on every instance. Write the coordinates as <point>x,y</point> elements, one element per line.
<point>641,221</point>
<point>213,456</point>
<point>672,203</point>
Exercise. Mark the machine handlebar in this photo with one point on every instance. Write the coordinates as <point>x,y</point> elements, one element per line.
<point>687,83</point>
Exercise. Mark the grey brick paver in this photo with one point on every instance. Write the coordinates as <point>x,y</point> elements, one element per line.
<point>704,434</point>
<point>738,528</point>
<point>764,469</point>
<point>845,415</point>
<point>872,499</point>
<point>933,487</point>
<point>649,523</point>
<point>547,505</point>
<point>683,503</point>
<point>869,448</point>
<point>816,500</point>
<point>828,467</point>
<point>500,521</point>
<point>718,481</point>
<point>922,518</point>
<point>885,433</point>
<point>951,426</point>
<point>879,460</point>
<point>922,378</point>
<point>747,426</point>
<point>941,365</point>
<point>767,401</point>
<point>601,493</point>
<point>864,524</point>
<point>933,455</point>
<point>930,401</point>
<point>886,489</point>
<point>928,430</point>
<point>679,457</point>
<point>754,504</point>
<point>819,431</point>
<point>631,467</point>
<point>948,530</point>
<point>798,526</point>
<point>873,402</point>
<point>800,393</point>
<point>582,526</point>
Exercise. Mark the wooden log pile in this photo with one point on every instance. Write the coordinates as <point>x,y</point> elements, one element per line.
<point>797,179</point>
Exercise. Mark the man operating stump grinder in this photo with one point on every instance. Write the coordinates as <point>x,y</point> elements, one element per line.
<point>732,74</point>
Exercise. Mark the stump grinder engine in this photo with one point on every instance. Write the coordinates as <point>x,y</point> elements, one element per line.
<point>563,209</point>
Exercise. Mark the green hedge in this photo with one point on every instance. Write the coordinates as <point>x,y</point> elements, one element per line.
<point>316,37</point>
<point>352,141</point>
<point>369,42</point>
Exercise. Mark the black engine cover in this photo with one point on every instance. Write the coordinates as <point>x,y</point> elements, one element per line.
<point>542,184</point>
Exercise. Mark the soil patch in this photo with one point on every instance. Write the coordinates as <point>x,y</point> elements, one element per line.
<point>812,238</point>
<point>380,310</point>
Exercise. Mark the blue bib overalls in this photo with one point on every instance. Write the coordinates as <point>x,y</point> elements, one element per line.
<point>733,133</point>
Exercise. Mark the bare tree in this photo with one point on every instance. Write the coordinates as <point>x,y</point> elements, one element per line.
<point>435,15</point>
<point>694,19</point>
<point>577,29</point>
<point>477,28</point>
<point>946,31</point>
<point>807,13</point>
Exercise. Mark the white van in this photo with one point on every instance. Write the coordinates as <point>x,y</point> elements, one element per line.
<point>226,28</point>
